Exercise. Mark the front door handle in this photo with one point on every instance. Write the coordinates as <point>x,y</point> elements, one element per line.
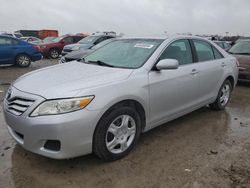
<point>194,72</point>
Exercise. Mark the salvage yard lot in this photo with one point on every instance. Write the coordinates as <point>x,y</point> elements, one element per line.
<point>202,149</point>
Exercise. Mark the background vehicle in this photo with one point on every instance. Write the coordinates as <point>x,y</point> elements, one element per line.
<point>54,48</point>
<point>41,34</point>
<point>241,50</point>
<point>127,87</point>
<point>223,44</point>
<point>15,51</point>
<point>47,33</point>
<point>32,40</point>
<point>86,43</point>
<point>74,55</point>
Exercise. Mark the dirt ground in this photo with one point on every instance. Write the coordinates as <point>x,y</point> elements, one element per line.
<point>202,149</point>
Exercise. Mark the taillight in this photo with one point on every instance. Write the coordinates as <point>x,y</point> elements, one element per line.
<point>37,48</point>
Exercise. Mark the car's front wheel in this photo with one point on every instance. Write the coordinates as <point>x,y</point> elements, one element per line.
<point>223,97</point>
<point>23,60</point>
<point>54,53</point>
<point>116,133</point>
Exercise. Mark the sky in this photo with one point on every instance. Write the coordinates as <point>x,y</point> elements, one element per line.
<point>131,17</point>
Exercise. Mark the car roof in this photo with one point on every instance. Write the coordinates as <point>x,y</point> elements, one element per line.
<point>165,37</point>
<point>7,36</point>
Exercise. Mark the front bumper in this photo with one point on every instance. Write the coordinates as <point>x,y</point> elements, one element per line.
<point>37,57</point>
<point>73,130</point>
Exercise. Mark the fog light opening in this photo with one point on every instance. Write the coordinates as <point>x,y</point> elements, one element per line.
<point>53,145</point>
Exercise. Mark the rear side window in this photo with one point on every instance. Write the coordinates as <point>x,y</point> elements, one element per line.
<point>68,40</point>
<point>77,39</point>
<point>179,50</point>
<point>217,54</point>
<point>100,40</point>
<point>204,51</point>
<point>5,41</point>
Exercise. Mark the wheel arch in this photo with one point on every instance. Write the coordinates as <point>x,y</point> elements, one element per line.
<point>232,81</point>
<point>131,103</point>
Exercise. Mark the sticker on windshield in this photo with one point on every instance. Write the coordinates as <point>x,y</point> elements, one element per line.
<point>147,46</point>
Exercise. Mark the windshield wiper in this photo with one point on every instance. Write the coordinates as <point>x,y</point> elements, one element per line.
<point>98,62</point>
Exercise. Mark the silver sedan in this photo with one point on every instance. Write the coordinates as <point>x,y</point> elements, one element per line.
<point>104,102</point>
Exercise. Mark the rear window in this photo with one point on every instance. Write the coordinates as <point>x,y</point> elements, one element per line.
<point>7,41</point>
<point>217,54</point>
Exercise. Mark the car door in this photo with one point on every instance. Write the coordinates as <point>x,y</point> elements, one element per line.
<point>7,50</point>
<point>210,64</point>
<point>173,92</point>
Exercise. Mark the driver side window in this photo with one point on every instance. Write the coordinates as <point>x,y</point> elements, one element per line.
<point>179,50</point>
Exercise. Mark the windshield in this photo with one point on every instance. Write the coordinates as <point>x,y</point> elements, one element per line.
<point>58,39</point>
<point>125,53</point>
<point>88,40</point>
<point>242,47</point>
<point>101,44</point>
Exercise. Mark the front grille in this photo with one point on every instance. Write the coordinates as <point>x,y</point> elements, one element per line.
<point>18,105</point>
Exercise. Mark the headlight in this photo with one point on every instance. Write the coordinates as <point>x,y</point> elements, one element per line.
<point>42,47</point>
<point>61,106</point>
<point>62,60</point>
<point>76,48</point>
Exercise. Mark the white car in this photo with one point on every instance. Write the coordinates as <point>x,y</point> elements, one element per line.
<point>104,102</point>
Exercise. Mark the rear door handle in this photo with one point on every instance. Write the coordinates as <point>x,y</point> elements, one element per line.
<point>194,72</point>
<point>223,64</point>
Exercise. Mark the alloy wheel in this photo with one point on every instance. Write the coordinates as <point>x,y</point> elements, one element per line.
<point>23,60</point>
<point>120,134</point>
<point>225,95</point>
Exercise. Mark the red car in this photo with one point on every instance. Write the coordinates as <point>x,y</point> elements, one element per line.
<point>54,48</point>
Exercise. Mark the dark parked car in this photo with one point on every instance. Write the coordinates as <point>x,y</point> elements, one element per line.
<point>16,51</point>
<point>74,55</point>
<point>223,44</point>
<point>54,48</point>
<point>86,43</point>
<point>241,51</point>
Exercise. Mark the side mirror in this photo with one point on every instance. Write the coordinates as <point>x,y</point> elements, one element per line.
<point>167,64</point>
<point>62,42</point>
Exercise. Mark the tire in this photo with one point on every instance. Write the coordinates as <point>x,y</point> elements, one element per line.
<point>23,60</point>
<point>225,91</point>
<point>112,141</point>
<point>54,53</point>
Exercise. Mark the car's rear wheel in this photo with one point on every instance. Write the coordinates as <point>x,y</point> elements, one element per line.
<point>54,53</point>
<point>223,97</point>
<point>23,60</point>
<point>117,133</point>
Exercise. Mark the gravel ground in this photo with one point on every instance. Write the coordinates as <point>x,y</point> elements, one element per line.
<point>202,149</point>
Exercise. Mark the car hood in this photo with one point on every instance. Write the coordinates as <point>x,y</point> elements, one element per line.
<point>69,80</point>
<point>78,54</point>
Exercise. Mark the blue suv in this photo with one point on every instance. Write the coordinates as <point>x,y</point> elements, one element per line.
<point>16,51</point>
